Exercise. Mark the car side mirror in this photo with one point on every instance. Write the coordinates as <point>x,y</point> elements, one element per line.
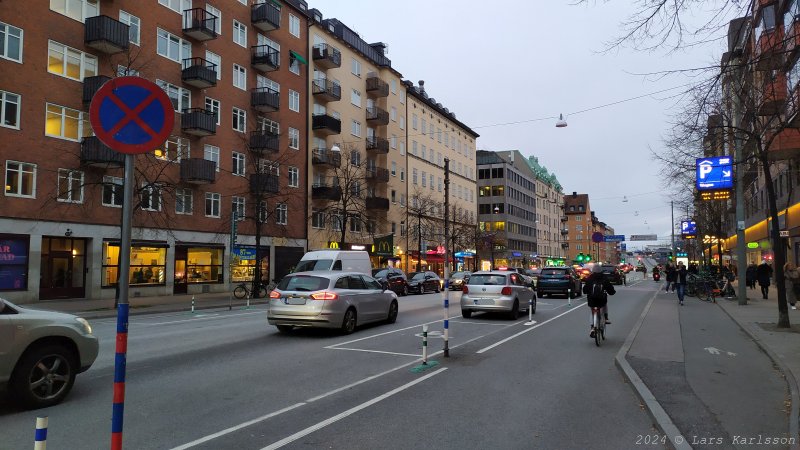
<point>385,285</point>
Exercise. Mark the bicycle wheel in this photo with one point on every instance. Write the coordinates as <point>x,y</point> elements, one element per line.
<point>240,292</point>
<point>597,330</point>
<point>262,292</point>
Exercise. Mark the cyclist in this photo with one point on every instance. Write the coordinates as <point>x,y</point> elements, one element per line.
<point>597,288</point>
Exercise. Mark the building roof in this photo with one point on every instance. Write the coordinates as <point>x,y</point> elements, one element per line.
<point>419,93</point>
<point>543,174</point>
<point>576,199</point>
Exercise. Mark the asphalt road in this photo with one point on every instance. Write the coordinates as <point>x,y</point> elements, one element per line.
<point>225,379</point>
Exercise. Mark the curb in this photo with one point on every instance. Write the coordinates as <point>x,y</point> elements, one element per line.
<point>794,389</point>
<point>157,309</point>
<point>675,439</point>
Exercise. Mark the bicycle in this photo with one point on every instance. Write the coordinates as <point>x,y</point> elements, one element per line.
<point>598,325</point>
<point>708,290</point>
<point>243,290</point>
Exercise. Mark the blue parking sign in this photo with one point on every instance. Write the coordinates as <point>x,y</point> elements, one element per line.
<point>714,173</point>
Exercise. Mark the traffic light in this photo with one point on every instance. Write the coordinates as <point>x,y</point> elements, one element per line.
<point>670,256</point>
<point>580,258</point>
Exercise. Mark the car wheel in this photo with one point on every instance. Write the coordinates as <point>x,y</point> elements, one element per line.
<point>465,313</point>
<point>437,289</point>
<point>349,321</point>
<point>534,306</point>
<point>404,291</point>
<point>514,314</point>
<point>285,328</point>
<point>44,376</point>
<point>392,312</point>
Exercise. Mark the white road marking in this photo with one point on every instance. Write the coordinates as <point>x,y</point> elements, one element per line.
<point>349,412</point>
<point>197,318</point>
<point>375,351</point>
<point>485,349</point>
<point>389,332</point>
<point>475,322</point>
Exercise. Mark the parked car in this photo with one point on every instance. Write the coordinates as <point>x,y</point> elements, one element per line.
<point>527,279</point>
<point>421,282</point>
<point>330,299</point>
<point>559,280</point>
<point>394,278</point>
<point>497,291</point>
<point>457,280</point>
<point>344,260</point>
<point>613,274</point>
<point>534,273</point>
<point>41,352</point>
<point>641,268</point>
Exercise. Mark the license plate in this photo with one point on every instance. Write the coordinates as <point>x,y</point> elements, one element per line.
<point>483,301</point>
<point>294,301</point>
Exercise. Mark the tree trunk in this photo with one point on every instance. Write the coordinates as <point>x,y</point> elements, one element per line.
<point>257,272</point>
<point>778,248</point>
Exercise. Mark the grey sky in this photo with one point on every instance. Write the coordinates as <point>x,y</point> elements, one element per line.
<point>535,59</point>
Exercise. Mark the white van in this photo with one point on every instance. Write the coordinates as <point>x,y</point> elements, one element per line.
<point>345,260</point>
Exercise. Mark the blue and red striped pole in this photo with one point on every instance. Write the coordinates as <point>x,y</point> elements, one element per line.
<point>120,361</point>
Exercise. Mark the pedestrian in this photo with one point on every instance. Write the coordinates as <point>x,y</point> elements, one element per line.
<point>750,276</point>
<point>672,274</point>
<point>791,277</point>
<point>763,276</point>
<point>680,279</point>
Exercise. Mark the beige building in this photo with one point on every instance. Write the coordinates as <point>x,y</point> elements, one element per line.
<point>357,147</point>
<point>549,210</point>
<point>433,134</point>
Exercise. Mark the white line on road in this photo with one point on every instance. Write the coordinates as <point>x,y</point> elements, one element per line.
<point>389,332</point>
<point>204,317</point>
<point>375,351</point>
<point>351,411</point>
<point>526,330</point>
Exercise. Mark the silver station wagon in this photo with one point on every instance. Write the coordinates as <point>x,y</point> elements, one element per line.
<point>330,299</point>
<point>498,291</point>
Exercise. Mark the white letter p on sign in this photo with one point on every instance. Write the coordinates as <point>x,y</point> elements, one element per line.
<point>705,169</point>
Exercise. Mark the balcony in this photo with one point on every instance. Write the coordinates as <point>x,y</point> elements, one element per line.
<point>106,34</point>
<point>792,38</point>
<point>326,90</point>
<point>773,97</point>
<point>199,73</point>
<point>377,87</point>
<point>564,231</point>
<point>265,58</point>
<point>198,122</point>
<point>200,24</point>
<point>264,183</point>
<point>565,245</point>
<point>266,16</point>
<point>564,218</point>
<point>377,116</point>
<point>326,124</point>
<point>786,145</point>
<point>95,154</point>
<point>198,171</point>
<point>768,51</point>
<point>265,99</point>
<point>377,145</point>
<point>325,157</point>
<point>793,108</point>
<point>262,142</point>
<point>91,85</point>
<point>326,192</point>
<point>377,174</point>
<point>377,203</point>
<point>326,56</point>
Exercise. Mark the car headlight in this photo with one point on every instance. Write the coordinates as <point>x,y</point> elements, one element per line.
<point>85,323</point>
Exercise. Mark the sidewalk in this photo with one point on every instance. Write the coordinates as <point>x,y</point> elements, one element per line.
<point>716,375</point>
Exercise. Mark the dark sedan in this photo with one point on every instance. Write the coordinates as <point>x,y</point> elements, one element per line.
<point>394,278</point>
<point>422,282</point>
<point>458,280</point>
<point>613,274</point>
<point>558,280</point>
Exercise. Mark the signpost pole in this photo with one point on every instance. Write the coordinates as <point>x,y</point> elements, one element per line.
<point>446,259</point>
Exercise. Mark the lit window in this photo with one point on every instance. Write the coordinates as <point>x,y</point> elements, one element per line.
<point>66,123</point>
<point>69,62</point>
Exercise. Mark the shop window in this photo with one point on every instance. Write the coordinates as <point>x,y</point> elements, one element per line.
<point>243,264</point>
<point>148,265</point>
<point>13,262</point>
<point>204,265</point>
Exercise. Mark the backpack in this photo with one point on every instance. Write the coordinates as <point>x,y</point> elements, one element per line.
<point>597,292</point>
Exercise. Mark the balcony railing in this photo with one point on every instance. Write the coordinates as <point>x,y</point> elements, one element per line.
<point>768,51</point>
<point>91,85</point>
<point>323,156</point>
<point>106,34</point>
<point>326,192</point>
<point>377,203</point>
<point>262,142</point>
<point>325,124</point>
<point>377,144</point>
<point>377,174</point>
<point>786,145</point>
<point>326,90</point>
<point>377,116</point>
<point>377,87</point>
<point>199,122</point>
<point>200,24</point>
<point>772,100</point>
<point>199,72</point>
<point>262,183</point>
<point>266,16</point>
<point>326,56</point>
<point>198,171</point>
<point>564,218</point>
<point>265,99</point>
<point>265,58</point>
<point>96,154</point>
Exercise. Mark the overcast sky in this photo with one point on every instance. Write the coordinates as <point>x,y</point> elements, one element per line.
<point>513,61</point>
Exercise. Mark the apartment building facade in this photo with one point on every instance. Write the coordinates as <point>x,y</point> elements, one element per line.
<point>549,210</point>
<point>237,76</point>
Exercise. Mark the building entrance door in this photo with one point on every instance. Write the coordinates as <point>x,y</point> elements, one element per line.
<point>63,268</point>
<point>181,280</point>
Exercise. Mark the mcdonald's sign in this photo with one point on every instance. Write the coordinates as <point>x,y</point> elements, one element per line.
<point>333,244</point>
<point>384,246</point>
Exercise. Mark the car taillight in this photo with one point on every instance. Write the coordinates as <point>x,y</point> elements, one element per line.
<point>506,290</point>
<point>465,289</point>
<point>274,294</point>
<point>324,295</point>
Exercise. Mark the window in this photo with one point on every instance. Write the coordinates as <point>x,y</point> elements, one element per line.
<point>355,128</point>
<point>9,110</point>
<point>150,197</point>
<point>294,138</point>
<point>355,98</point>
<point>20,179</point>
<point>355,224</point>
<point>402,174</point>
<point>240,33</point>
<point>414,175</point>
<point>212,204</point>
<point>66,123</point>
<point>172,47</point>
<point>177,146</point>
<point>218,14</point>
<point>211,153</point>
<point>394,169</point>
<point>70,186</point>
<point>402,148</point>
<point>393,114</point>
<point>355,67</point>
<point>212,106</point>
<point>403,200</point>
<point>181,98</point>
<point>294,63</point>
<point>239,119</point>
<point>214,58</point>
<point>294,177</point>
<point>149,266</point>
<point>69,62</point>
<point>393,86</point>
<point>402,123</point>
<point>183,201</point>
<point>431,182</point>
<point>294,25</point>
<point>177,5</point>
<point>112,191</point>
<point>281,214</point>
<point>355,158</point>
<point>393,141</point>
<point>134,26</point>
<point>75,9</point>
<point>317,218</point>
<point>239,77</point>
<point>294,100</point>
<point>124,71</point>
<point>10,42</point>
<point>238,164</point>
<point>238,208</point>
<point>414,121</point>
<point>424,179</point>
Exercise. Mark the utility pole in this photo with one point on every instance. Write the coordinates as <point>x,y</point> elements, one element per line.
<point>672,226</point>
<point>741,252</point>
<point>446,259</point>
<point>419,239</point>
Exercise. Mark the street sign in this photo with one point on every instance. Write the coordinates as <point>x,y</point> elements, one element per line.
<point>717,194</point>
<point>644,237</point>
<point>614,238</point>
<point>784,233</point>
<point>597,237</point>
<point>131,115</point>
<point>688,228</point>
<point>714,173</point>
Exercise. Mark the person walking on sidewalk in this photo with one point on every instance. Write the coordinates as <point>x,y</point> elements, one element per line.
<point>791,277</point>
<point>763,275</point>
<point>680,278</point>
<point>750,276</point>
<point>671,277</point>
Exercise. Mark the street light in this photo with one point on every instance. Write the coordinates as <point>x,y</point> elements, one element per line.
<point>336,148</point>
<point>561,123</point>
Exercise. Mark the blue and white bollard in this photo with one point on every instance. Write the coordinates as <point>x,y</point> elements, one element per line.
<point>569,297</point>
<point>40,438</point>
<point>530,313</point>
<point>193,304</point>
<point>424,345</point>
